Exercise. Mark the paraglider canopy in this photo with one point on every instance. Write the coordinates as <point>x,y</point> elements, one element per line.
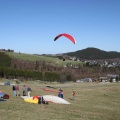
<point>67,36</point>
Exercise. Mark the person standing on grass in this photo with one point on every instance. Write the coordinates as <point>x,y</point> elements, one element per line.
<point>73,94</point>
<point>17,90</point>
<point>24,90</point>
<point>29,91</point>
<point>14,90</point>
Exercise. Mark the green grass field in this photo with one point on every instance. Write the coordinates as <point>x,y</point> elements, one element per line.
<point>93,101</point>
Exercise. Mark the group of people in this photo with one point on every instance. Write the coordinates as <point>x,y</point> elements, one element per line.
<point>60,94</point>
<point>16,90</point>
<point>26,90</point>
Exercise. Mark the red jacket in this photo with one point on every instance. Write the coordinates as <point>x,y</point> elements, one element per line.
<point>17,88</point>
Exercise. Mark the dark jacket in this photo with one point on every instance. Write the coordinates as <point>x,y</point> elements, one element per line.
<point>29,89</point>
<point>60,94</point>
<point>14,88</point>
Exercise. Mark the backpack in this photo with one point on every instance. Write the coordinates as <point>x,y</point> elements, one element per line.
<point>6,96</point>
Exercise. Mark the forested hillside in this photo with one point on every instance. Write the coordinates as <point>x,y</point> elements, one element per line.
<point>94,53</point>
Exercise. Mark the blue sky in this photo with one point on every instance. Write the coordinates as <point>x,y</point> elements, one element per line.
<point>30,26</point>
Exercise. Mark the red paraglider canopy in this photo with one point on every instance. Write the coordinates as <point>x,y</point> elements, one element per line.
<point>66,35</point>
<point>36,97</point>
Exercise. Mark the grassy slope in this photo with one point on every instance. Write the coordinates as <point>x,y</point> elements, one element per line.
<point>94,101</point>
<point>53,61</point>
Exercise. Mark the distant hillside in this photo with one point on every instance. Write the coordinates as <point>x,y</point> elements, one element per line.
<point>94,53</point>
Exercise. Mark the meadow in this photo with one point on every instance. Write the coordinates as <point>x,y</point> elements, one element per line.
<point>93,101</point>
<point>48,59</point>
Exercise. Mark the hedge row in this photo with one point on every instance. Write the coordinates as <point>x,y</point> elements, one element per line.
<point>5,72</point>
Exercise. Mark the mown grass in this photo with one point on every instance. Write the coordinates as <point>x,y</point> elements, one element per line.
<point>93,101</point>
<point>51,60</point>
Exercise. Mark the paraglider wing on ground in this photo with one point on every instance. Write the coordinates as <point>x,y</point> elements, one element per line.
<point>48,90</point>
<point>55,99</point>
<point>47,98</point>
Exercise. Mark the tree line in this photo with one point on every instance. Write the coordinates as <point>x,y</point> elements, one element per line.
<point>11,73</point>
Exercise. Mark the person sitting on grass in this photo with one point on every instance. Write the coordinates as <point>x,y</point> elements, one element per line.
<point>60,94</point>
<point>41,100</point>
